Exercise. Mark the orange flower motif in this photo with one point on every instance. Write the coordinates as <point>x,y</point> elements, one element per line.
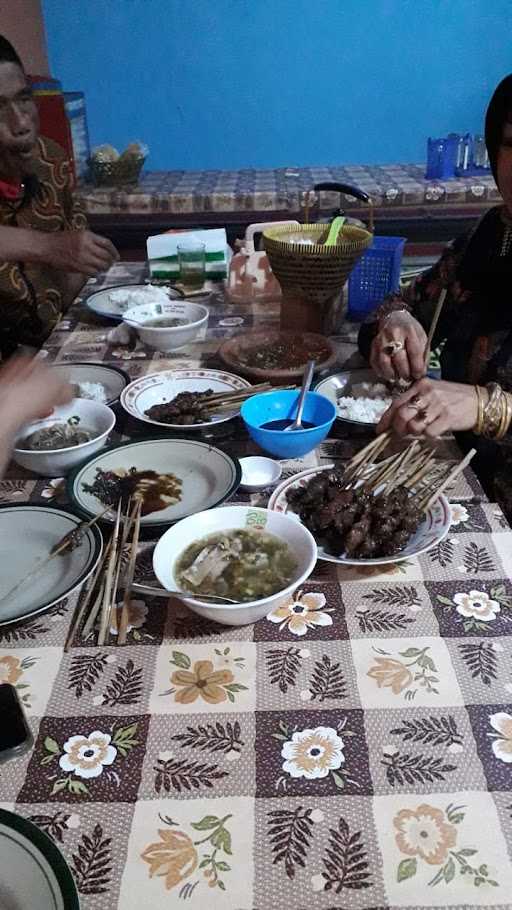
<point>174,857</point>
<point>424,832</point>
<point>392,673</point>
<point>202,682</point>
<point>10,670</point>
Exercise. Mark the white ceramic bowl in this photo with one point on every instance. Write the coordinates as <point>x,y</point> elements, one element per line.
<point>167,339</point>
<point>259,473</point>
<point>171,546</point>
<point>94,416</point>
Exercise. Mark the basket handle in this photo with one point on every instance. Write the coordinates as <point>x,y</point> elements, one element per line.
<point>347,190</point>
<point>258,228</point>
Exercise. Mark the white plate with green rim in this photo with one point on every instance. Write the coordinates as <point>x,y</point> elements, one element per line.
<point>111,378</point>
<point>100,302</point>
<point>27,534</point>
<point>208,476</point>
<point>158,388</point>
<point>33,872</point>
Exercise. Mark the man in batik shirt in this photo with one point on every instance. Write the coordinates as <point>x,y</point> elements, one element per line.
<point>46,251</point>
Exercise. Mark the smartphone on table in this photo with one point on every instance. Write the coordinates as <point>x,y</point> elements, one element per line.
<point>15,735</point>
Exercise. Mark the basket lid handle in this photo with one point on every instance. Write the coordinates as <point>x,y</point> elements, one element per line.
<point>332,186</point>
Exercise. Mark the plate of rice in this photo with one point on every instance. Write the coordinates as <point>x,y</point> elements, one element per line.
<point>111,303</point>
<point>359,396</point>
<point>94,381</point>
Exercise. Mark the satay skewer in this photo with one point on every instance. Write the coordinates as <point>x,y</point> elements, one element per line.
<point>366,455</point>
<point>433,324</point>
<point>85,599</point>
<point>125,612</point>
<point>107,590</point>
<point>430,498</point>
<point>69,541</point>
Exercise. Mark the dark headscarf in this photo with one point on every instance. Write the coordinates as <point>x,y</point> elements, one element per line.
<point>498,112</point>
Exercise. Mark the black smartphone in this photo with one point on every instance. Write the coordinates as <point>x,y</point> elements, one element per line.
<point>15,735</point>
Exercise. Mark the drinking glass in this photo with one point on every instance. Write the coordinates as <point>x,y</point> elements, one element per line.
<point>191,258</point>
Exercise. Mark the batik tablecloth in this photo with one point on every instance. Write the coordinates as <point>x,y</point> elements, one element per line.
<point>352,749</point>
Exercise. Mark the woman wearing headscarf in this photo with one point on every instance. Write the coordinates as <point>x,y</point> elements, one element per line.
<point>474,397</point>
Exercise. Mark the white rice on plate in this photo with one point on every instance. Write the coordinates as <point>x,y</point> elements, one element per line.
<point>127,298</point>
<point>93,391</point>
<point>367,402</point>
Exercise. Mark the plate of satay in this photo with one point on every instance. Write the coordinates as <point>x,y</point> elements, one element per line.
<point>373,512</point>
<point>195,399</point>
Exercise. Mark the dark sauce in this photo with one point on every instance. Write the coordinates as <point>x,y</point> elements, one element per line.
<point>282,424</point>
<point>155,490</point>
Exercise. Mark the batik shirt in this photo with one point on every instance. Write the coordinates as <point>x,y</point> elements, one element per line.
<point>33,296</point>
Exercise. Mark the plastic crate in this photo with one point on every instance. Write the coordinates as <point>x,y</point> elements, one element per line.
<point>376,274</point>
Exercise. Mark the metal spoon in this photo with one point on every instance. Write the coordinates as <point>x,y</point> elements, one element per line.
<point>306,383</point>
<point>163,592</point>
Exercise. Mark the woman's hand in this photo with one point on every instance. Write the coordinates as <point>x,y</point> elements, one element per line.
<point>408,361</point>
<point>431,408</point>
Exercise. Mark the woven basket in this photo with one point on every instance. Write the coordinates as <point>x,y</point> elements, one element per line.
<point>123,172</point>
<point>312,275</point>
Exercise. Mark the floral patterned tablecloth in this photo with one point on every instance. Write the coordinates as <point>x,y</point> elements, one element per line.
<point>352,749</point>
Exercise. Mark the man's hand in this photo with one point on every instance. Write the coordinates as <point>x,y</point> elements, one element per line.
<point>77,251</point>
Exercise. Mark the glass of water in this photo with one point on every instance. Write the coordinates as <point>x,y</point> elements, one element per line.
<point>192,259</point>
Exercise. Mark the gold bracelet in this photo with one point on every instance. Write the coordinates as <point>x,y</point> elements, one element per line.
<point>478,428</point>
<point>492,411</point>
<point>506,416</point>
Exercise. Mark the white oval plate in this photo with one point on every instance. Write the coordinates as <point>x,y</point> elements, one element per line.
<point>33,871</point>
<point>27,534</point>
<point>101,304</point>
<point>339,386</point>
<point>209,476</point>
<point>157,388</point>
<point>431,532</point>
<point>112,379</point>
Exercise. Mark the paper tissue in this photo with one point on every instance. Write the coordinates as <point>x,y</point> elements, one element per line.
<point>163,253</point>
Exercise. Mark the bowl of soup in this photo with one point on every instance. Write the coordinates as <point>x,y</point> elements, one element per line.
<point>69,436</point>
<point>167,326</point>
<point>255,557</point>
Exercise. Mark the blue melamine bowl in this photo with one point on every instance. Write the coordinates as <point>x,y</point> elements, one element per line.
<point>282,405</point>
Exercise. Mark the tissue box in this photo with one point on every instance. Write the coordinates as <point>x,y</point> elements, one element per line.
<point>163,253</point>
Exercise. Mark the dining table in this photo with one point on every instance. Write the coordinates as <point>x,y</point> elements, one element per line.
<point>351,749</point>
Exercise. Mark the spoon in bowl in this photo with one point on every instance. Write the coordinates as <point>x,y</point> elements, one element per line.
<point>306,384</point>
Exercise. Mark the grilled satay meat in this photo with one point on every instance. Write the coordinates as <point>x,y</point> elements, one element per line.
<point>185,409</point>
<point>355,522</point>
